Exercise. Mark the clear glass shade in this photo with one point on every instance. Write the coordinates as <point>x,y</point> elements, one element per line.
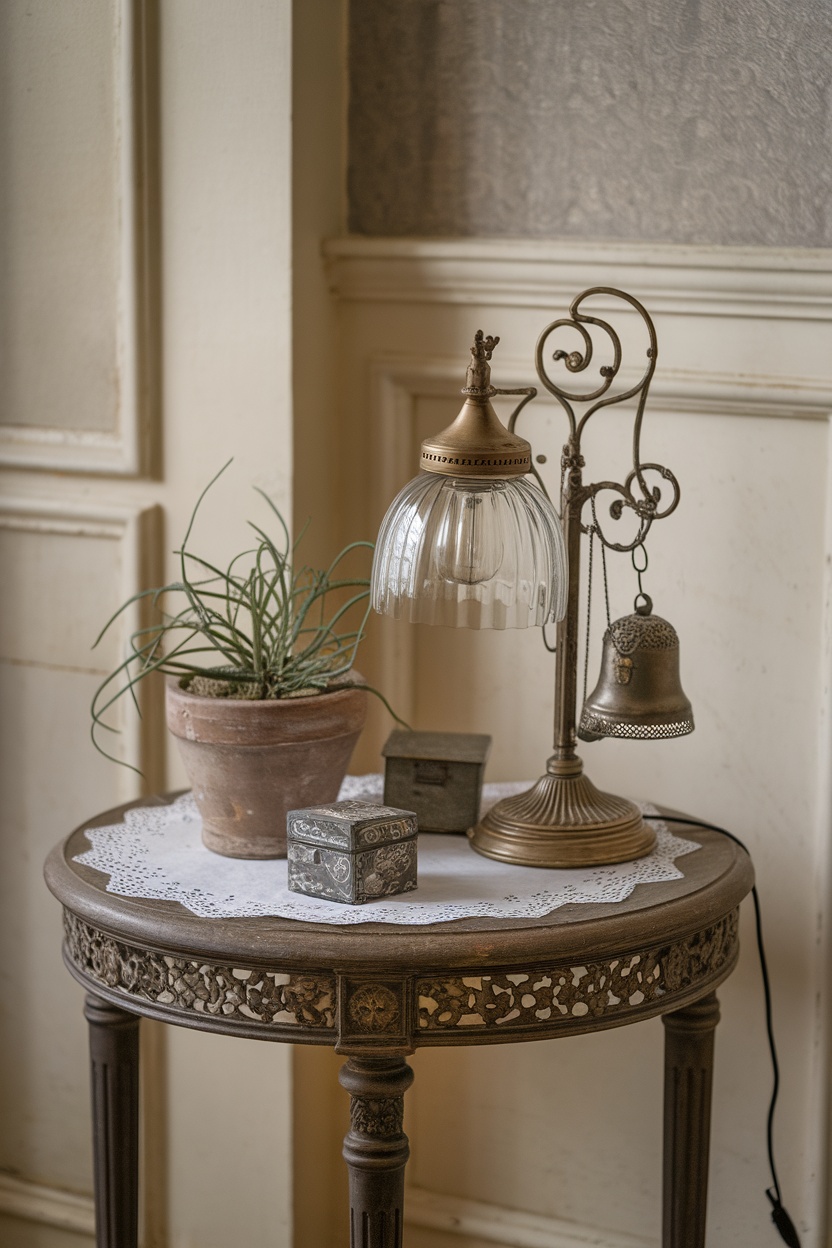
<point>470,553</point>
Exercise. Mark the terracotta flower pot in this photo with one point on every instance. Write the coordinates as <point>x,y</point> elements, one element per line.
<point>250,762</point>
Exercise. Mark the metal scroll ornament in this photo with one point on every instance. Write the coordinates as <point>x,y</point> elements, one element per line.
<point>564,820</point>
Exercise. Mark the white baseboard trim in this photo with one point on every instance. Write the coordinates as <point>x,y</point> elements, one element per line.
<point>49,1206</point>
<point>509,1228</point>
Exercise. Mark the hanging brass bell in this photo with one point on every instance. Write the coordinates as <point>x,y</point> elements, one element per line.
<point>639,692</point>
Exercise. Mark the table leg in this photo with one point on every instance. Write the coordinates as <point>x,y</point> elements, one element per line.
<point>114,1073</point>
<point>688,1074</point>
<point>376,1149</point>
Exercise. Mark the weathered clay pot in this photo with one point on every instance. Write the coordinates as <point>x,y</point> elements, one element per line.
<point>250,762</point>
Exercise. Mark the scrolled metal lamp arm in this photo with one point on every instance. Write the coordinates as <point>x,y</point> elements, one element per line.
<point>643,502</point>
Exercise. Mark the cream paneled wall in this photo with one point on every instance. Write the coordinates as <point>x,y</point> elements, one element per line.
<point>146,337</point>
<point>567,1134</point>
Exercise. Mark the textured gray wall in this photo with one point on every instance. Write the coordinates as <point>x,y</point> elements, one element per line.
<point>687,121</point>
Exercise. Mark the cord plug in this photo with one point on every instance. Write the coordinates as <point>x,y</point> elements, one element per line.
<point>782,1221</point>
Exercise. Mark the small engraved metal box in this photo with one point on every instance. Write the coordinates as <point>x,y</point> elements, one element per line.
<point>437,774</point>
<point>351,852</point>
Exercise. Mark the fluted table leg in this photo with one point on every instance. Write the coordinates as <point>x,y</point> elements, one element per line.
<point>689,1063</point>
<point>114,1062</point>
<point>376,1149</point>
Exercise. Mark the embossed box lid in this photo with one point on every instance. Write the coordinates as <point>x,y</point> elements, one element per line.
<point>351,825</point>
<point>450,747</point>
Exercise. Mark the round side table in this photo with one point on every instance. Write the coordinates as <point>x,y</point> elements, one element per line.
<point>375,992</point>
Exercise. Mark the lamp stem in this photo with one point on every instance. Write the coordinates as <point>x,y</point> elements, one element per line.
<point>566,664</point>
<point>564,820</point>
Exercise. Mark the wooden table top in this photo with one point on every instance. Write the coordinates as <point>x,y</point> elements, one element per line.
<point>391,986</point>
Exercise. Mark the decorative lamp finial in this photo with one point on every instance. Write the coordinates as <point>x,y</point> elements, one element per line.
<point>478,377</point>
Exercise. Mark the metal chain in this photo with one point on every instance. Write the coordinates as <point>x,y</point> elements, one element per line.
<point>542,460</point>
<point>588,604</point>
<point>648,602</point>
<point>603,565</point>
<point>606,580</point>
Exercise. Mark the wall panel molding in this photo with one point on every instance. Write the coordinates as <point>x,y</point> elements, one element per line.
<point>508,1228</point>
<point>134,529</point>
<point>123,450</point>
<point>703,281</point>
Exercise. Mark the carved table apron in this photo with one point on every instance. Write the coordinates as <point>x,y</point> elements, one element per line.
<point>377,992</point>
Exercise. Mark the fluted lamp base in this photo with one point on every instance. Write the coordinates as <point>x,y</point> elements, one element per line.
<point>563,821</point>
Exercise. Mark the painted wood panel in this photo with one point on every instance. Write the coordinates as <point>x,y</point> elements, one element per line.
<point>72,276</point>
<point>74,564</point>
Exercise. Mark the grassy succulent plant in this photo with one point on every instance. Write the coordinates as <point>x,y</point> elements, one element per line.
<point>263,627</point>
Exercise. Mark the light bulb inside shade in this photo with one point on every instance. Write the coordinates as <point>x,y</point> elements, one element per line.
<point>470,553</point>
<point>469,544</point>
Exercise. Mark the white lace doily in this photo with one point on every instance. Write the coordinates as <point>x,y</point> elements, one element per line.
<point>157,852</point>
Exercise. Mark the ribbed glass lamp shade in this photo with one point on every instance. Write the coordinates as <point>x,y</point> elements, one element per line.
<point>470,554</point>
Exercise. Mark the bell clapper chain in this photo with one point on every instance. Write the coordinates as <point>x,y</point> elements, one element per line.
<point>541,459</point>
<point>591,531</point>
<point>594,530</point>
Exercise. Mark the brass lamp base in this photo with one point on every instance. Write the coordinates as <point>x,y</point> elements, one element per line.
<point>563,821</point>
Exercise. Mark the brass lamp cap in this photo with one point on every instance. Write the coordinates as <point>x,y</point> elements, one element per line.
<point>477,444</point>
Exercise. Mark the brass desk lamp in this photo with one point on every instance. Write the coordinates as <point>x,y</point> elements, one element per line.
<point>473,542</point>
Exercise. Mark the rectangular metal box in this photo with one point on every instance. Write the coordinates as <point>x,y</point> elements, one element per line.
<point>352,851</point>
<point>437,774</point>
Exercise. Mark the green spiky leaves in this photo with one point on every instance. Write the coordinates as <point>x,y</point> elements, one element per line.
<point>263,627</point>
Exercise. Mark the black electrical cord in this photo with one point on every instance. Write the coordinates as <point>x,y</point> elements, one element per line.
<point>779,1216</point>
